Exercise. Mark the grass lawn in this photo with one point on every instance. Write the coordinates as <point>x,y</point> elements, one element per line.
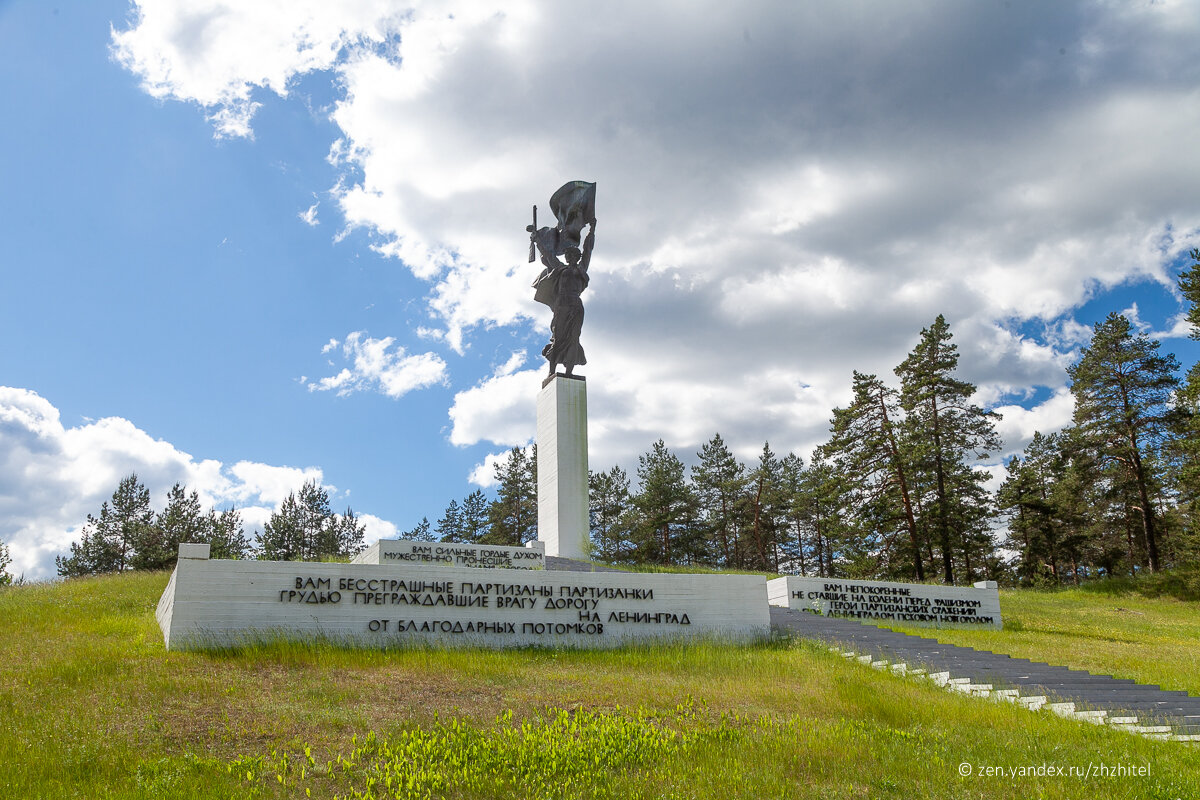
<point>93,706</point>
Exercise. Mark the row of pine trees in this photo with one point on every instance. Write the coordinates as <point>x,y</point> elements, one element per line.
<point>897,490</point>
<point>128,534</point>
<point>893,493</point>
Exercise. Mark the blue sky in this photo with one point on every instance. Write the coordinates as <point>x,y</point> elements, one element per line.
<point>213,213</point>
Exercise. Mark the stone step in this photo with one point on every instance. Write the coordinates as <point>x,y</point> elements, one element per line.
<point>1122,703</point>
<point>971,688</point>
<point>1135,705</point>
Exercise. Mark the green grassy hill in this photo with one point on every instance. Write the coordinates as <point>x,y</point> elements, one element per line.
<point>93,706</point>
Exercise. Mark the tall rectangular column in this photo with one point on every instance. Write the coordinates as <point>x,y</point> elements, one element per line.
<point>562,464</point>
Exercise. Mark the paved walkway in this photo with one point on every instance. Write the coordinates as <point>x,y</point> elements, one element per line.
<point>1101,699</point>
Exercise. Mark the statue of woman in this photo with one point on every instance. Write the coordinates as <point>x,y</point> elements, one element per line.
<point>567,282</point>
<point>560,285</point>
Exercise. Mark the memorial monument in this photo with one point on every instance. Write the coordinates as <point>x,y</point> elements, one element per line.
<point>562,445</point>
<point>454,554</point>
<point>212,603</point>
<point>449,594</point>
<point>918,604</point>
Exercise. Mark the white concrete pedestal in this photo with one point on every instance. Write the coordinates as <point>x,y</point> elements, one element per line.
<point>562,464</point>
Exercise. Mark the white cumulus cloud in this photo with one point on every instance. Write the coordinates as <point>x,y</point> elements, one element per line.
<point>1019,424</point>
<point>786,192</point>
<point>52,476</point>
<point>484,473</point>
<point>379,365</point>
<point>216,53</point>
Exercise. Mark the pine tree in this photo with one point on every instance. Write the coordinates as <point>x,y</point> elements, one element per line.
<point>765,505</point>
<point>1123,387</point>
<point>345,538</point>
<point>132,517</point>
<point>1185,450</point>
<point>947,430</point>
<point>1043,496</point>
<point>420,533</point>
<point>795,554</point>
<point>315,518</point>
<point>96,552</point>
<point>608,515</point>
<point>1049,493</point>
<point>283,536</point>
<point>181,521</point>
<point>666,508</point>
<point>719,480</point>
<point>109,542</point>
<point>512,516</point>
<point>818,506</point>
<point>1189,285</point>
<point>6,577</point>
<point>1017,498</point>
<point>866,448</point>
<point>449,527</point>
<point>473,519</point>
<point>306,529</point>
<point>227,536</point>
<point>1083,500</point>
<point>971,516</point>
<point>1108,529</point>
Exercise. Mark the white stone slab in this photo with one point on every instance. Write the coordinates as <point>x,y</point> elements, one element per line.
<point>194,550</point>
<point>562,462</point>
<point>216,603</point>
<point>448,554</point>
<point>906,603</point>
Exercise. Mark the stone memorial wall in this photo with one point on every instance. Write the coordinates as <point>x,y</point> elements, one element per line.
<point>215,603</point>
<point>446,554</point>
<point>905,603</point>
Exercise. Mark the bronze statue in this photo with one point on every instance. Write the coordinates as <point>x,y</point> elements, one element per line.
<point>560,285</point>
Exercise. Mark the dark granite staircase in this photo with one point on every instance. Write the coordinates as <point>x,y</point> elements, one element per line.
<point>1100,699</point>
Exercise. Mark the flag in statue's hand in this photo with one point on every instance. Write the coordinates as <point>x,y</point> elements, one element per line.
<point>573,205</point>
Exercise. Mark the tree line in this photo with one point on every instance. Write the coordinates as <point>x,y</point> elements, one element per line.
<point>128,535</point>
<point>896,491</point>
<point>1119,490</point>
